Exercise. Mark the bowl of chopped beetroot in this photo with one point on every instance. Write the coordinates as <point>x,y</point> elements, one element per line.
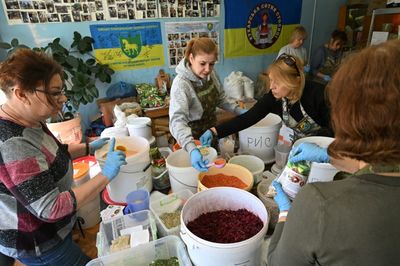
<point>231,175</point>
<point>224,226</point>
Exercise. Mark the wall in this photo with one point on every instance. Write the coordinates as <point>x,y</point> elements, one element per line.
<point>39,35</point>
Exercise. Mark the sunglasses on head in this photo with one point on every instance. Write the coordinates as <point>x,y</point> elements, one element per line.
<point>289,60</point>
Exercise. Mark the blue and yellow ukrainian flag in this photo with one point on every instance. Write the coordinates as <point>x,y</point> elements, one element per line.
<point>254,27</point>
<point>128,46</point>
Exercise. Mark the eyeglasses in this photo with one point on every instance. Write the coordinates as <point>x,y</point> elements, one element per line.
<point>289,60</point>
<point>55,94</point>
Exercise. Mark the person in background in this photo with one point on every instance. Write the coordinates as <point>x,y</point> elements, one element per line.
<point>195,95</point>
<point>300,104</point>
<point>38,203</point>
<point>295,46</point>
<point>327,57</point>
<point>353,221</point>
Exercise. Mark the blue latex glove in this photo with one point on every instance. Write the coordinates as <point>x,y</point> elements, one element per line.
<point>242,111</point>
<point>309,152</point>
<point>206,138</point>
<point>281,198</point>
<point>327,78</point>
<point>306,68</point>
<point>197,161</point>
<point>115,159</point>
<point>97,144</point>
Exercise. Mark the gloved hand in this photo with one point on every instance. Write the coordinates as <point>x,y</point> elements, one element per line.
<point>281,198</point>
<point>242,111</point>
<point>309,152</point>
<point>327,78</point>
<point>206,138</point>
<point>97,144</point>
<point>197,161</point>
<point>115,159</point>
<point>306,68</point>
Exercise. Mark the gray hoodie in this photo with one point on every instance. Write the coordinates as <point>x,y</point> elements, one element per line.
<point>185,105</point>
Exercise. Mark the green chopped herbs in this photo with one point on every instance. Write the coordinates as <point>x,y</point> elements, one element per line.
<point>150,96</point>
<point>171,219</point>
<point>173,261</point>
<point>302,167</point>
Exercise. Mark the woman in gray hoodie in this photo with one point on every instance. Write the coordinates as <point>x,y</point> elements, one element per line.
<point>195,95</point>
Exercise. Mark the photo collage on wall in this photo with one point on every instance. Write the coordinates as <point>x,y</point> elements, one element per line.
<point>45,11</point>
<point>179,35</point>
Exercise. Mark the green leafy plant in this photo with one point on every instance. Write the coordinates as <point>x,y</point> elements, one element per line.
<point>81,68</point>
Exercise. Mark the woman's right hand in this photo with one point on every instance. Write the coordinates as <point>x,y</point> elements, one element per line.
<point>197,161</point>
<point>115,159</point>
<point>206,138</point>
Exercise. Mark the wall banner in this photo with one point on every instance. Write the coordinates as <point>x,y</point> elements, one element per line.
<point>254,27</point>
<point>128,46</point>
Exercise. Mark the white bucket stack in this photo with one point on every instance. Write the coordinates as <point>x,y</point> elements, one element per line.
<point>319,172</point>
<point>261,138</point>
<point>136,174</point>
<point>181,173</point>
<point>203,252</point>
<point>90,213</point>
<point>140,127</point>
<point>252,163</point>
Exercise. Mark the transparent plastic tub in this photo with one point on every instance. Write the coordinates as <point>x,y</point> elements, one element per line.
<point>111,229</point>
<point>143,255</point>
<point>168,204</point>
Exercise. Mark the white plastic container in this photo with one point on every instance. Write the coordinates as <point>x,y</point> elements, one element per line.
<point>168,204</point>
<point>143,255</point>
<point>90,212</point>
<point>139,126</point>
<point>181,173</point>
<point>203,252</point>
<point>111,229</point>
<point>261,138</point>
<point>254,164</point>
<point>114,132</point>
<point>319,172</point>
<point>135,175</point>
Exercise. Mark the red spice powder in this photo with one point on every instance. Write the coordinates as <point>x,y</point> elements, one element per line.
<point>221,180</point>
<point>226,226</point>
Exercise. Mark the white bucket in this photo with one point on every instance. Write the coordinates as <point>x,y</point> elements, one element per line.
<point>90,213</point>
<point>203,252</point>
<point>114,132</point>
<point>319,172</point>
<point>139,126</point>
<point>181,173</point>
<point>254,164</point>
<point>131,176</point>
<point>261,138</point>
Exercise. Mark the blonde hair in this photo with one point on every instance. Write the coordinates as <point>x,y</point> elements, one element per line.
<point>201,45</point>
<point>298,32</point>
<point>291,77</point>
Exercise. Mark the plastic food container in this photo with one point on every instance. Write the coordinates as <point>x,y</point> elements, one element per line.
<point>111,229</point>
<point>143,255</point>
<point>168,204</point>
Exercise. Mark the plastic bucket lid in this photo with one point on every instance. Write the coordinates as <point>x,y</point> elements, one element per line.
<point>81,170</point>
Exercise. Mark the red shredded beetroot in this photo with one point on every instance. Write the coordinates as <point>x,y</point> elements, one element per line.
<point>226,226</point>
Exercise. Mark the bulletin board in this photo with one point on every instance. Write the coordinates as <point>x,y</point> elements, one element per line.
<point>180,33</point>
<point>53,11</point>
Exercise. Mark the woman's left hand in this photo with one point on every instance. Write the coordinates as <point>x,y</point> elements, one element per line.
<point>281,198</point>
<point>97,144</point>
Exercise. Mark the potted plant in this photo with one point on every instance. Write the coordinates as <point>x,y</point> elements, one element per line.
<point>81,72</point>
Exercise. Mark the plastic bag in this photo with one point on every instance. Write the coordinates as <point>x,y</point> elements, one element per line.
<point>121,90</point>
<point>233,85</point>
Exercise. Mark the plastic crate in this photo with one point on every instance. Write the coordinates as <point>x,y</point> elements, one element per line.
<point>169,203</point>
<point>143,255</point>
<point>110,229</point>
